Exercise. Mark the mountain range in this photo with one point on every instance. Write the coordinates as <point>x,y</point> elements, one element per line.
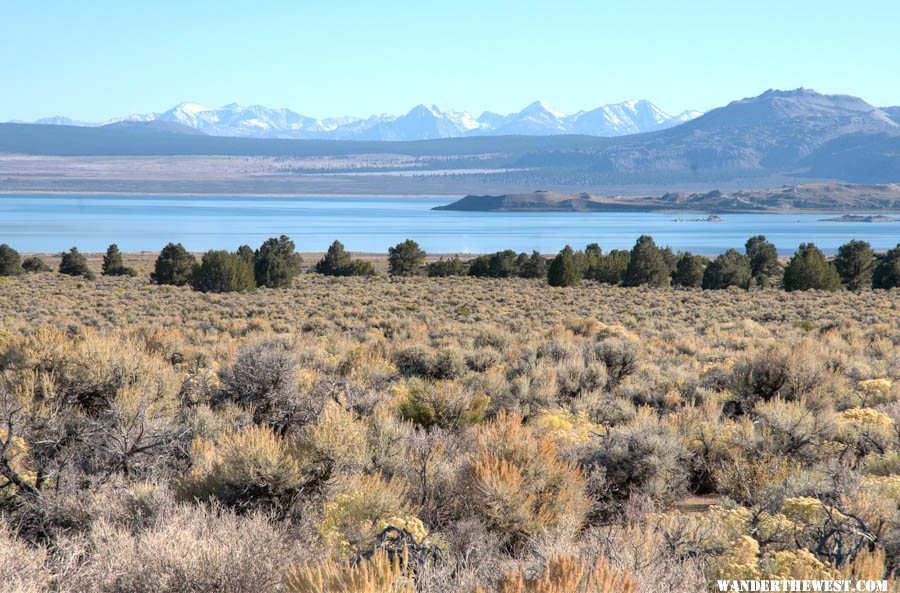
<point>779,136</point>
<point>420,123</point>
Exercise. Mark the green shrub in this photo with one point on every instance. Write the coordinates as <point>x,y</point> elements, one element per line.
<point>809,269</point>
<point>887,272</point>
<point>74,263</point>
<point>113,264</point>
<point>405,259</point>
<point>221,271</point>
<point>562,271</point>
<point>276,263</point>
<point>10,261</point>
<point>646,265</point>
<point>689,270</point>
<point>174,265</point>
<point>443,268</point>
<point>35,265</point>
<point>729,269</point>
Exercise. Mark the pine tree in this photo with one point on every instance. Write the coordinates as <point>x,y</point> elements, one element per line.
<point>809,269</point>
<point>562,271</point>
<point>855,262</point>
<point>647,265</point>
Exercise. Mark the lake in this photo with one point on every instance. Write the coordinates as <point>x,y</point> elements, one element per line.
<point>47,223</point>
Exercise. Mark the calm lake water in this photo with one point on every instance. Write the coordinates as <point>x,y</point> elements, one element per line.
<point>46,223</point>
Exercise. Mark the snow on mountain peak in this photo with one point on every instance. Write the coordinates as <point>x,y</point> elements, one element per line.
<point>420,122</point>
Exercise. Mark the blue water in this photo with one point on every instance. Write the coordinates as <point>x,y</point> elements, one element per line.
<point>46,223</point>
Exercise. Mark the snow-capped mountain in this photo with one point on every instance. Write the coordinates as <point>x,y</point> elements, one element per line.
<point>420,123</point>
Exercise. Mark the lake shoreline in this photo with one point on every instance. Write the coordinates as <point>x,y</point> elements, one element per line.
<point>613,209</point>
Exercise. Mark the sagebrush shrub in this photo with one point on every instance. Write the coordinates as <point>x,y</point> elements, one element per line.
<point>568,574</point>
<point>246,469</point>
<point>263,376</point>
<point>378,574</point>
<point>518,484</point>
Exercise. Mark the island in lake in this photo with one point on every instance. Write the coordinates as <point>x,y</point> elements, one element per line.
<point>829,197</point>
<point>860,218</point>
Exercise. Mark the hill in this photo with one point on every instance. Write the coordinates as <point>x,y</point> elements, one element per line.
<point>826,197</point>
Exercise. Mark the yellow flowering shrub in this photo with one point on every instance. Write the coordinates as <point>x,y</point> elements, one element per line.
<point>806,510</point>
<point>568,430</point>
<point>796,564</point>
<point>867,418</point>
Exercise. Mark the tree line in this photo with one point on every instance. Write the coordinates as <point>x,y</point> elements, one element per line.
<point>275,263</point>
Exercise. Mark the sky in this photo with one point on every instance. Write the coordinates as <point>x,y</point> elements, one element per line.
<point>100,59</point>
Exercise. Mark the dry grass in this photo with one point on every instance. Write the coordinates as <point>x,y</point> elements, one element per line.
<point>158,439</point>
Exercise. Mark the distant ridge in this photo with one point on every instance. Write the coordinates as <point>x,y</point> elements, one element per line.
<point>420,123</point>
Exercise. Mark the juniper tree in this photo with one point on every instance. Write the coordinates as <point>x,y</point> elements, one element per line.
<point>647,265</point>
<point>763,256</point>
<point>729,269</point>
<point>405,259</point>
<point>276,263</point>
<point>855,262</point>
<point>562,271</point>
<point>113,264</point>
<point>10,261</point>
<point>887,271</point>
<point>174,265</point>
<point>74,263</point>
<point>221,271</point>
<point>534,267</point>
<point>808,269</point>
<point>689,270</point>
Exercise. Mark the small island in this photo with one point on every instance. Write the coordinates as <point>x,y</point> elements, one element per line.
<point>861,218</point>
<point>827,197</point>
<point>710,218</point>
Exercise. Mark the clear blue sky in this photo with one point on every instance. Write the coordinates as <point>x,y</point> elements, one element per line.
<point>103,58</point>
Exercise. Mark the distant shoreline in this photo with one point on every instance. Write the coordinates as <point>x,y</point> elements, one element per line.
<point>605,209</point>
